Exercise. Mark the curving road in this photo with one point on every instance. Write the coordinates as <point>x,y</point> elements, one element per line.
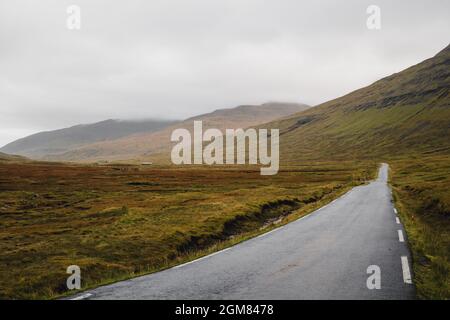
<point>324,255</point>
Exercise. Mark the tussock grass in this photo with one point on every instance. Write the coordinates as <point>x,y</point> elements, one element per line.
<point>421,190</point>
<point>117,222</point>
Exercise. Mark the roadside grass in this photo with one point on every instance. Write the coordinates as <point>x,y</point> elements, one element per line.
<point>193,253</point>
<point>421,192</point>
<point>120,221</point>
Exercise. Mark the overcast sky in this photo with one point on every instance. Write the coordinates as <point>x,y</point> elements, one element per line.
<point>178,58</point>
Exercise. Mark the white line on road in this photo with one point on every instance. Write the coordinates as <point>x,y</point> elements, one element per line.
<point>397,220</point>
<point>185,264</point>
<point>405,268</point>
<point>267,233</point>
<point>400,236</point>
<point>221,251</point>
<point>395,210</point>
<point>196,260</point>
<point>82,297</point>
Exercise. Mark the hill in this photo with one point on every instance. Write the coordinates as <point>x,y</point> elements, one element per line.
<point>145,145</point>
<point>403,114</point>
<point>59,141</point>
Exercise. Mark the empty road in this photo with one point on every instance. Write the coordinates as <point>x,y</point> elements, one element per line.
<point>325,255</point>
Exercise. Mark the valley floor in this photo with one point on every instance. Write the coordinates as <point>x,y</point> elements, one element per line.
<point>119,221</point>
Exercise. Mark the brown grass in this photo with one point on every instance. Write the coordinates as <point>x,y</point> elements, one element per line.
<point>421,190</point>
<point>116,222</point>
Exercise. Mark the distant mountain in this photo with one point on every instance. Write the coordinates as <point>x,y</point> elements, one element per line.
<point>407,113</point>
<point>45,144</point>
<point>142,145</point>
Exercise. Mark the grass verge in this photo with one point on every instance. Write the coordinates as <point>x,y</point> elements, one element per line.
<point>420,190</point>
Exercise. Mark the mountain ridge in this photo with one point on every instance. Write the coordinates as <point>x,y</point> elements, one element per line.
<point>144,143</point>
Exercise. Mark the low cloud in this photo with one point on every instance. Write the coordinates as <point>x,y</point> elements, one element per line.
<point>174,59</point>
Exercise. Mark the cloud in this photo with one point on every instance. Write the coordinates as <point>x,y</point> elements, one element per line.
<point>174,59</point>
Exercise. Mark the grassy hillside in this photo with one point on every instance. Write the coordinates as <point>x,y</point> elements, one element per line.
<point>62,140</point>
<point>405,113</point>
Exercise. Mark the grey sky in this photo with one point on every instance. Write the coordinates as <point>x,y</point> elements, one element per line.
<point>174,59</point>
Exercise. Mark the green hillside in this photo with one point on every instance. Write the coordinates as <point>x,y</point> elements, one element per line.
<point>405,113</point>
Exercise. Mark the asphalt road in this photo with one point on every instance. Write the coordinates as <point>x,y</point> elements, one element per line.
<point>325,255</point>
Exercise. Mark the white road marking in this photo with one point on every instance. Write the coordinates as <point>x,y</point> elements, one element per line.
<point>397,220</point>
<point>400,236</point>
<point>395,210</point>
<point>185,264</point>
<point>267,233</point>
<point>201,258</point>
<point>221,251</point>
<point>82,297</point>
<point>405,268</point>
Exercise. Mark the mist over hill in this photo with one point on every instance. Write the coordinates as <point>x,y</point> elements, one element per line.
<point>123,140</point>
